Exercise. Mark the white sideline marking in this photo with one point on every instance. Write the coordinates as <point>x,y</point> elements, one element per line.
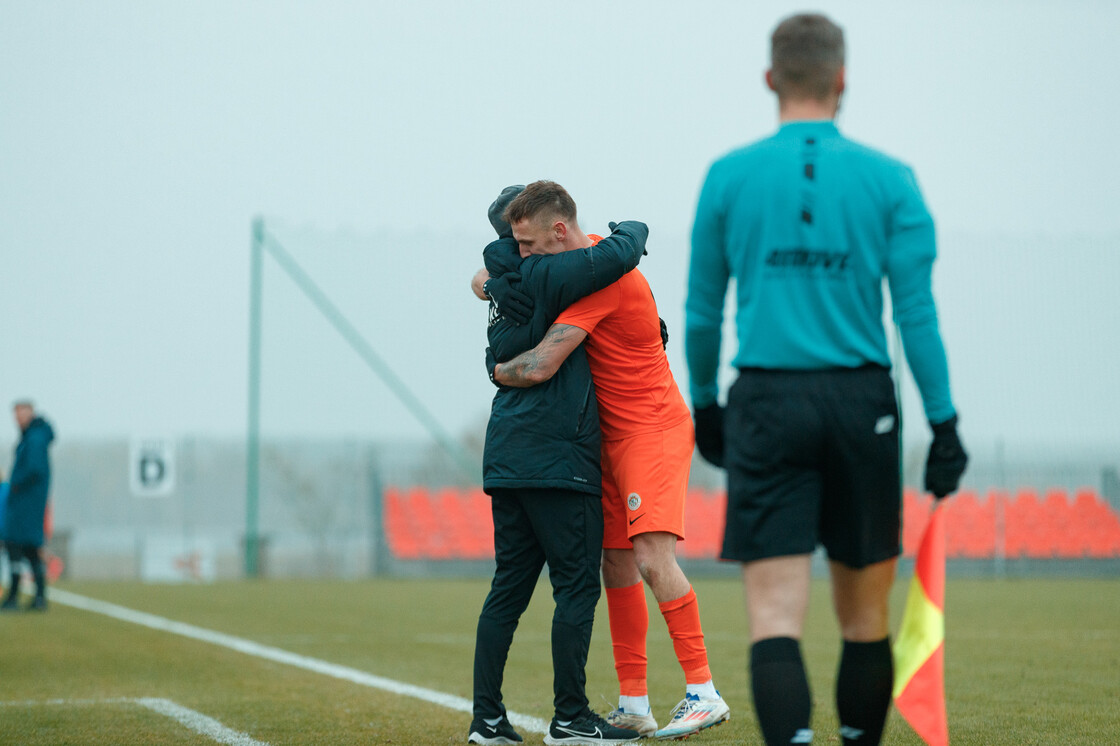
<point>450,701</point>
<point>199,723</point>
<point>204,725</point>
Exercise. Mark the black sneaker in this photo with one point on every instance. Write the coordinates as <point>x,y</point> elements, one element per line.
<point>590,729</point>
<point>39,604</point>
<point>9,604</point>
<point>494,735</point>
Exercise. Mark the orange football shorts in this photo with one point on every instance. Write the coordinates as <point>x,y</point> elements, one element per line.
<point>645,480</point>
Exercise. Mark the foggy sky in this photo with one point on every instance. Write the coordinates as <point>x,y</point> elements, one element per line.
<point>139,140</point>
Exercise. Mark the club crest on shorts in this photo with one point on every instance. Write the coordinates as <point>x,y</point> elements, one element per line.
<point>634,501</point>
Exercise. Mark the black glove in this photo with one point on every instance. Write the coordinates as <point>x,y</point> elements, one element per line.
<point>497,210</point>
<point>614,227</point>
<point>709,433</point>
<point>511,302</point>
<point>491,363</point>
<point>664,333</point>
<point>946,461</point>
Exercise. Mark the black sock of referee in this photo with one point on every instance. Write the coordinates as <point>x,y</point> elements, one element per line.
<point>863,690</point>
<point>781,691</point>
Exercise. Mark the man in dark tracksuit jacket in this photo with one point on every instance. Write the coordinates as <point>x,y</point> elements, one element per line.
<point>27,504</point>
<point>541,469</point>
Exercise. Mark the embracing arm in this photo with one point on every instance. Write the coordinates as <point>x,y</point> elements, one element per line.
<point>479,279</point>
<point>500,281</point>
<point>540,363</point>
<point>571,275</point>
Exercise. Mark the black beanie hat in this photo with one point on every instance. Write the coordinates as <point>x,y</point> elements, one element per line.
<point>498,207</point>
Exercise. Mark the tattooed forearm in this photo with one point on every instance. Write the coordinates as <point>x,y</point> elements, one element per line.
<point>521,371</point>
<point>541,363</point>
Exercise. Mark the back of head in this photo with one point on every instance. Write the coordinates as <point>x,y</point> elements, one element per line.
<point>544,200</point>
<point>806,53</point>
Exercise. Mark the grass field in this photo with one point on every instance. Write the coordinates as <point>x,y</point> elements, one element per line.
<point>1027,662</point>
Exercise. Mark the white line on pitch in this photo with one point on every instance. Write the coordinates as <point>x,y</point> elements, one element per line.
<point>353,675</point>
<point>199,723</point>
<point>192,719</point>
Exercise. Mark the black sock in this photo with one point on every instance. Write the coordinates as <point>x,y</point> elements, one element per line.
<point>781,691</point>
<point>863,690</point>
<point>38,571</point>
<point>13,589</point>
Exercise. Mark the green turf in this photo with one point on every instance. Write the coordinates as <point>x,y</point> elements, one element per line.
<point>1027,662</point>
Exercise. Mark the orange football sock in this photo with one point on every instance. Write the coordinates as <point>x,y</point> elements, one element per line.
<point>629,618</point>
<point>682,615</point>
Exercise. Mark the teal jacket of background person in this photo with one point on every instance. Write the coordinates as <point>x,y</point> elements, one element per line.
<point>547,436</point>
<point>28,486</point>
<point>3,505</point>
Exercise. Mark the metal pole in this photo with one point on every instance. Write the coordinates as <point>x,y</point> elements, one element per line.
<point>253,439</point>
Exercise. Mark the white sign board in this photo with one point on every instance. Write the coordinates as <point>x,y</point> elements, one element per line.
<point>151,467</point>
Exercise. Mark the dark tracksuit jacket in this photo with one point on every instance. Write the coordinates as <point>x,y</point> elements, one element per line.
<point>28,486</point>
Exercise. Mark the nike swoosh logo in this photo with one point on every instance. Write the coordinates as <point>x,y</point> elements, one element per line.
<point>573,732</point>
<point>637,518</point>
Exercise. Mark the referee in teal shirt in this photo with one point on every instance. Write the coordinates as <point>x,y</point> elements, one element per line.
<point>809,223</point>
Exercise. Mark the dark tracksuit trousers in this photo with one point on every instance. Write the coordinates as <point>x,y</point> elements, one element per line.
<point>564,529</point>
<point>29,552</point>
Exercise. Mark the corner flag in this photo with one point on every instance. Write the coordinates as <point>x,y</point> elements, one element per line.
<point>919,665</point>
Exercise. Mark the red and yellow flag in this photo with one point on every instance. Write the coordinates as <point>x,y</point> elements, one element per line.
<point>919,663</point>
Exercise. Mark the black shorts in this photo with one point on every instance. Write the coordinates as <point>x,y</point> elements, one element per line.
<point>813,457</point>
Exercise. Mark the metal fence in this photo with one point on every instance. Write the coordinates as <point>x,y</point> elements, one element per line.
<point>321,507</point>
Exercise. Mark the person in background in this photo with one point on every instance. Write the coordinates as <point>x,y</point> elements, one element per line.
<point>3,510</point>
<point>24,515</point>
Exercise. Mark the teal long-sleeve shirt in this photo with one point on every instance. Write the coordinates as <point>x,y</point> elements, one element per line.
<point>809,223</point>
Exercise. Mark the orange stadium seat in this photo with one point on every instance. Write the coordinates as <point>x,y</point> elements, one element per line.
<point>402,539</point>
<point>481,521</point>
<point>450,524</point>
<point>1062,526</point>
<point>915,516</point>
<point>999,500</point>
<point>704,520</point>
<point>470,527</point>
<point>970,526</point>
<point>456,524</point>
<point>456,534</point>
<point>960,516</point>
<point>983,540</point>
<point>1020,520</point>
<point>1099,524</point>
<point>434,531</point>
